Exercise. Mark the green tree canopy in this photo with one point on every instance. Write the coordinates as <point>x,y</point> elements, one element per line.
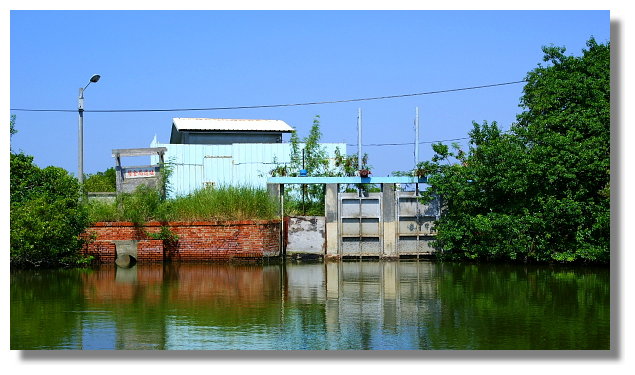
<point>309,154</point>
<point>539,191</point>
<point>105,181</point>
<point>46,215</point>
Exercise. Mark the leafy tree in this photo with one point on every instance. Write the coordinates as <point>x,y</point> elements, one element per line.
<point>12,129</point>
<point>308,154</point>
<point>105,181</point>
<point>46,216</point>
<point>541,190</point>
<point>349,164</point>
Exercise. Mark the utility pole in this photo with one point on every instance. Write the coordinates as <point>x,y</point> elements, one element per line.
<point>416,136</point>
<point>303,185</point>
<point>359,138</point>
<point>80,130</point>
<point>80,136</point>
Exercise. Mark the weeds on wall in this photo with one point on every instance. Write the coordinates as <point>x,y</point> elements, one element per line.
<point>169,238</point>
<point>218,203</point>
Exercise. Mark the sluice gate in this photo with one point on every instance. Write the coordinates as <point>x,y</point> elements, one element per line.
<point>391,223</point>
<point>359,224</point>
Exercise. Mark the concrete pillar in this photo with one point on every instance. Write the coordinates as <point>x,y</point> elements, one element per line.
<point>330,211</point>
<point>390,221</point>
<point>274,191</point>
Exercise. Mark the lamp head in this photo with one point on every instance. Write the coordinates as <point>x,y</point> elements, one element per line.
<point>95,78</point>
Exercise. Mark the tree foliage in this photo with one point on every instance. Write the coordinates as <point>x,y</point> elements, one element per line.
<point>12,129</point>
<point>348,165</point>
<point>105,181</point>
<point>46,215</point>
<point>541,190</point>
<point>310,155</point>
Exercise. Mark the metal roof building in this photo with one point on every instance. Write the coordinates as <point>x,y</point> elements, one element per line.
<point>215,152</point>
<point>227,131</point>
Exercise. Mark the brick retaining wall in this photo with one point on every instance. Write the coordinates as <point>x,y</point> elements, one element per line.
<point>198,241</point>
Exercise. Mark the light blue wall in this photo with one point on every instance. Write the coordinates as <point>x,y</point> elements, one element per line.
<point>238,164</point>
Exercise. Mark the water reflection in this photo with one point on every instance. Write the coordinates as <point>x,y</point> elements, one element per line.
<point>343,305</point>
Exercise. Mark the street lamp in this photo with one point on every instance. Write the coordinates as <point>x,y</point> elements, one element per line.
<point>80,109</point>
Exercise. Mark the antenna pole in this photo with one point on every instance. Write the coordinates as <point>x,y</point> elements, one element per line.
<point>359,138</point>
<point>416,136</point>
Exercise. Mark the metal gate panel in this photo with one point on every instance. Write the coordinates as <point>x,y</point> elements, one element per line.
<point>415,224</point>
<point>349,207</point>
<point>423,245</point>
<point>407,244</point>
<point>370,226</point>
<point>370,207</point>
<point>351,227</point>
<point>407,205</point>
<point>411,225</point>
<point>370,246</point>
<point>351,246</point>
<point>360,224</point>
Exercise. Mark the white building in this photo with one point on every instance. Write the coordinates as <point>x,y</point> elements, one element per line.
<point>214,152</point>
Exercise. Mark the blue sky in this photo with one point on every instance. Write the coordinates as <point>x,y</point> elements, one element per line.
<point>202,59</point>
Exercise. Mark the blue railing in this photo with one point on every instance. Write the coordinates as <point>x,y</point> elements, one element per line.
<point>347,180</point>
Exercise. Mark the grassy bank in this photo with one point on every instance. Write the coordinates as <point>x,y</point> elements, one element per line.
<point>221,203</point>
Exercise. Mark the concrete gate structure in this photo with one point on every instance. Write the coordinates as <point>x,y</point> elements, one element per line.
<point>415,223</point>
<point>386,224</point>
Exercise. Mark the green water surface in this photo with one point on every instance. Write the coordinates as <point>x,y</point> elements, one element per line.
<point>335,305</point>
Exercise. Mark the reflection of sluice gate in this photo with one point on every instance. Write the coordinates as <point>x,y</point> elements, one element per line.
<point>381,294</point>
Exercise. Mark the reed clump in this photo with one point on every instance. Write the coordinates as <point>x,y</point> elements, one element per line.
<point>219,203</point>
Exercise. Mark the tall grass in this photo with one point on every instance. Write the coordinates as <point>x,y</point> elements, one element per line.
<point>220,203</point>
<point>224,203</point>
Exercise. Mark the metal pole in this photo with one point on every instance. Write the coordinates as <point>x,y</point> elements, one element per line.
<point>417,136</point>
<point>303,186</point>
<point>359,138</point>
<point>80,110</point>
<point>416,146</point>
<point>80,156</point>
<point>282,248</point>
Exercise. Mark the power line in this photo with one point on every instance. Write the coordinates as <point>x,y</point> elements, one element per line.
<point>272,105</point>
<point>408,143</point>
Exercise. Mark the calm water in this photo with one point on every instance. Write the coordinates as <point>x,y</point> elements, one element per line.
<point>345,305</point>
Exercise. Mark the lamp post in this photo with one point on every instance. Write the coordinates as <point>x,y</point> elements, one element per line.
<point>80,109</point>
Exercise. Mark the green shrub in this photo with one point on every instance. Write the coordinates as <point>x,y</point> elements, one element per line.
<point>46,216</point>
<point>141,206</point>
<point>101,181</point>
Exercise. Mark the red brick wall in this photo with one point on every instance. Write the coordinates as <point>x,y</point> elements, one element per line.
<point>198,241</point>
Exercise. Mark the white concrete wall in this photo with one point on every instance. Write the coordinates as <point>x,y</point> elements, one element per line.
<point>306,235</point>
